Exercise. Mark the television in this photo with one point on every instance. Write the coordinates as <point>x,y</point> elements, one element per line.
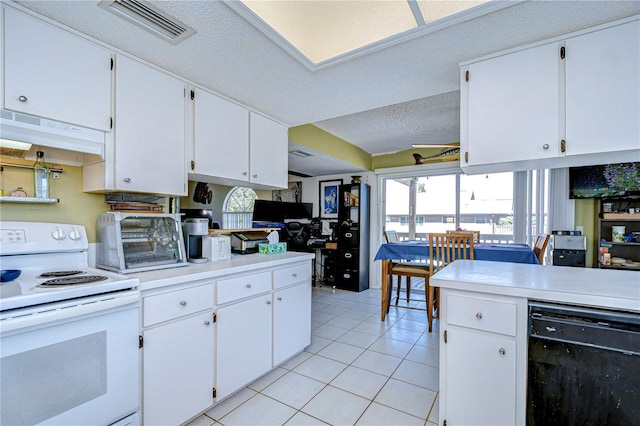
<point>606,180</point>
<point>279,211</point>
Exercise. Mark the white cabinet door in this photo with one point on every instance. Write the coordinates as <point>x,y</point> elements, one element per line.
<point>511,112</point>
<point>221,138</point>
<point>55,74</point>
<point>602,89</point>
<point>481,378</point>
<point>149,130</point>
<point>268,157</point>
<point>178,370</point>
<point>291,321</point>
<point>243,344</point>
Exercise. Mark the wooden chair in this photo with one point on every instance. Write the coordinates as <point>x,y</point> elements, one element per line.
<point>476,235</point>
<point>540,246</point>
<point>444,249</point>
<point>403,269</point>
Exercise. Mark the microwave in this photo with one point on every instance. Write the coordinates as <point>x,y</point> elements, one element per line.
<point>136,242</point>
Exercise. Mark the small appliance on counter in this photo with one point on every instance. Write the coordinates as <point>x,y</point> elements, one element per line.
<point>216,247</point>
<point>136,242</point>
<point>569,248</point>
<point>195,231</point>
<point>246,242</point>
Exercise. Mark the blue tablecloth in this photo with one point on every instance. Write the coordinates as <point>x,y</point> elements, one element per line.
<point>419,250</point>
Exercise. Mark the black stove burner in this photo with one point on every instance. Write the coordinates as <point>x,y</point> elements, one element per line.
<point>54,274</point>
<point>83,279</point>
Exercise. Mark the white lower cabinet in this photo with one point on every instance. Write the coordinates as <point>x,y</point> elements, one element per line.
<point>291,321</point>
<point>177,354</point>
<point>482,359</point>
<point>243,343</point>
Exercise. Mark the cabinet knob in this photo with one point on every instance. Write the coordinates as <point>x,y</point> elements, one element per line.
<point>183,303</point>
<point>255,176</point>
<point>244,173</point>
<point>22,98</point>
<point>279,299</point>
<point>207,323</point>
<point>268,302</point>
<point>502,351</point>
<point>479,315</point>
<point>295,275</point>
<point>248,285</point>
<point>127,180</point>
<point>545,146</point>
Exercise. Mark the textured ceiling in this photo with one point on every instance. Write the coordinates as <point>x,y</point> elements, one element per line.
<point>381,102</point>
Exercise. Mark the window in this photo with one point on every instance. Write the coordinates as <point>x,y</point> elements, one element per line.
<point>237,211</point>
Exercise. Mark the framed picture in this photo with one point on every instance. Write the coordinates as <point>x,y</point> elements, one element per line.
<point>293,194</point>
<point>329,191</point>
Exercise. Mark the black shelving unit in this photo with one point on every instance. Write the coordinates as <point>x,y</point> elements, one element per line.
<point>352,272</point>
<point>623,255</point>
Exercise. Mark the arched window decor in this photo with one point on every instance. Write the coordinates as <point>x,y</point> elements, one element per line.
<point>237,210</point>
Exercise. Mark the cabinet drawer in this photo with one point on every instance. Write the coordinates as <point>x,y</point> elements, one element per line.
<point>166,306</point>
<point>292,274</point>
<point>495,316</point>
<point>244,286</point>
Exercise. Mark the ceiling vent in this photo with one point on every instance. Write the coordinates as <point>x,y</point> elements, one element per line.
<point>300,153</point>
<point>149,18</point>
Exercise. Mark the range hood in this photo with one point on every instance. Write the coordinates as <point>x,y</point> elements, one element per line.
<point>62,143</point>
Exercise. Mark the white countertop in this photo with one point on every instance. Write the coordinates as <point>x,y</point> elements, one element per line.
<point>616,289</point>
<point>200,271</point>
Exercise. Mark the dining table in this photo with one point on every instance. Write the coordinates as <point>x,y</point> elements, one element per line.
<point>419,251</point>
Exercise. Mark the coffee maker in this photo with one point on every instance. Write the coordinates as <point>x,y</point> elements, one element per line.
<point>195,230</point>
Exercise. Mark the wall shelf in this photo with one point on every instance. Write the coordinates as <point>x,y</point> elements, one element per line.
<point>29,200</point>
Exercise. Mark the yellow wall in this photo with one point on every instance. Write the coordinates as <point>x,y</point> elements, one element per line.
<point>586,215</point>
<point>74,207</point>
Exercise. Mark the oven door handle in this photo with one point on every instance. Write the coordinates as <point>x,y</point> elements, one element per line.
<point>68,312</point>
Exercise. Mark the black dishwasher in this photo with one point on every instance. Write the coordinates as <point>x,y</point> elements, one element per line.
<point>584,366</point>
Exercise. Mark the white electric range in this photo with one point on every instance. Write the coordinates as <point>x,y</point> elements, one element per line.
<point>83,321</point>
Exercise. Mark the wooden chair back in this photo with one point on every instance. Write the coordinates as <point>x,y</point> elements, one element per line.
<point>445,248</point>
<point>476,235</point>
<point>540,246</point>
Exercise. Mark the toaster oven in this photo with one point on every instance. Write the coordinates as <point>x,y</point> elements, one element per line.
<point>135,242</point>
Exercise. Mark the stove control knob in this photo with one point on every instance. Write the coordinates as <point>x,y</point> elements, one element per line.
<point>58,234</point>
<point>75,235</point>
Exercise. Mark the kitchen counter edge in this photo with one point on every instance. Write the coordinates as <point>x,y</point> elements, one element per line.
<point>238,264</point>
<point>614,289</point>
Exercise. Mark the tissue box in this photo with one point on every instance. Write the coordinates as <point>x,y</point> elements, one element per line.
<point>272,248</point>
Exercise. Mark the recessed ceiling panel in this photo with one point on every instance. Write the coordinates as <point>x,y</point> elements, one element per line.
<point>325,29</point>
<point>432,10</point>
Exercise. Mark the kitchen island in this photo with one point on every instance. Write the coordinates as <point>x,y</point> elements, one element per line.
<point>209,329</point>
<point>484,329</point>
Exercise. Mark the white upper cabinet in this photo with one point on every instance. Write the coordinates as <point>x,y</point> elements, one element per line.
<point>220,138</point>
<point>512,108</point>
<point>233,146</point>
<point>52,73</point>
<point>149,147</point>
<point>602,90</point>
<point>268,155</point>
<point>570,101</point>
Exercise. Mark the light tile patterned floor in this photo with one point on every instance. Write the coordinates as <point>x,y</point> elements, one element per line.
<point>357,370</point>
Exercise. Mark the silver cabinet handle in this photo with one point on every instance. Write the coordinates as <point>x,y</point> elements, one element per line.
<point>479,315</point>
<point>295,275</point>
<point>502,351</point>
<point>268,302</point>
<point>248,285</point>
<point>183,303</point>
<point>207,323</point>
<point>545,146</point>
<point>244,173</point>
<point>255,176</point>
<point>127,180</point>
<point>279,298</point>
<point>22,98</point>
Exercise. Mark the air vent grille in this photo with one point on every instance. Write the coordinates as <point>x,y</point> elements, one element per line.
<point>149,18</point>
<point>300,153</point>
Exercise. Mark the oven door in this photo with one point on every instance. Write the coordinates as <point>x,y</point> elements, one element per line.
<point>75,364</point>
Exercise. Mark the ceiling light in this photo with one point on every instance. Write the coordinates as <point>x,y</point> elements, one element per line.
<point>11,148</point>
<point>300,153</point>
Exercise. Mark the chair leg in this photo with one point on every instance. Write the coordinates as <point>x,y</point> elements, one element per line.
<point>429,292</point>
<point>398,289</point>
<point>389,290</point>
<point>436,303</point>
<point>408,289</point>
